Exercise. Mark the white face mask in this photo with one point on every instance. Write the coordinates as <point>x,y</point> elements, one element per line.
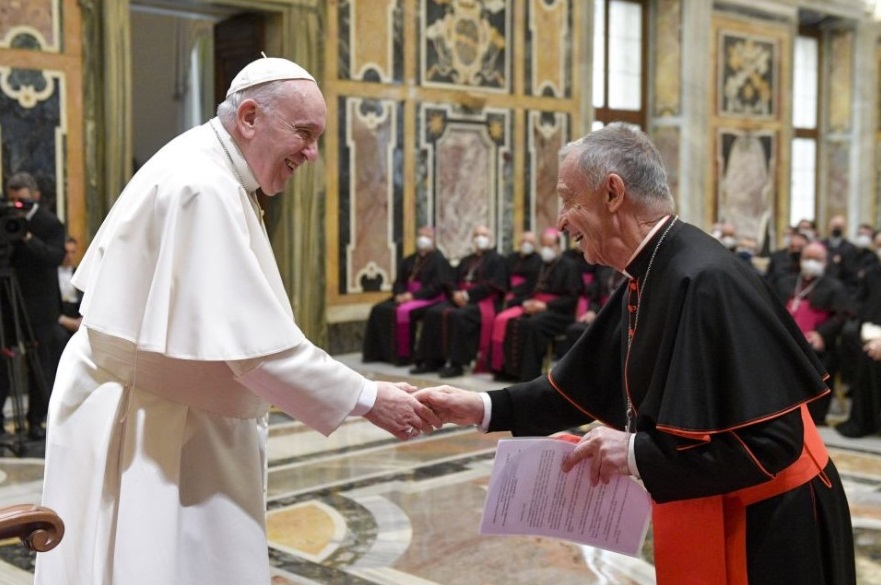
<point>527,248</point>
<point>863,241</point>
<point>786,241</point>
<point>548,254</point>
<point>481,242</point>
<point>423,243</point>
<point>811,268</point>
<point>729,241</point>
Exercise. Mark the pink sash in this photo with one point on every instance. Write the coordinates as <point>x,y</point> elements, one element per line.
<point>402,318</point>
<point>500,325</point>
<point>806,317</point>
<point>487,308</point>
<point>516,280</point>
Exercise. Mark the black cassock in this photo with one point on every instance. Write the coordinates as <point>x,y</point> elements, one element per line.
<point>527,336</point>
<point>717,374</point>
<point>865,412</point>
<point>455,333</point>
<point>432,272</point>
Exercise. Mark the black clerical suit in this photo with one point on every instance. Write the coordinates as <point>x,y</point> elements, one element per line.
<point>35,265</point>
<point>432,271</point>
<point>718,374</point>
<point>522,276</point>
<point>827,295</point>
<point>865,393</point>
<point>453,333</point>
<point>527,336</point>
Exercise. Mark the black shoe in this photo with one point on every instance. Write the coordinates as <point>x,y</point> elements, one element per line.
<point>451,371</point>
<point>423,368</point>
<point>36,434</point>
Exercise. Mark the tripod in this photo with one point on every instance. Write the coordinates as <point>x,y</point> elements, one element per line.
<point>22,354</point>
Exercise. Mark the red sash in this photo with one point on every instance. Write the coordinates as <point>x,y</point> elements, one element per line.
<point>703,540</point>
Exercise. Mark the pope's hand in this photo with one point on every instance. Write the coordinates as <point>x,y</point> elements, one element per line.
<point>605,450</point>
<point>398,412</point>
<point>453,405</point>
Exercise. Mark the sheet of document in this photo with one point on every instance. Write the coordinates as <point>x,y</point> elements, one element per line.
<point>530,494</point>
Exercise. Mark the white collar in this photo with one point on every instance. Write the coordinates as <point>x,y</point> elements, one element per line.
<point>235,157</point>
<point>645,242</point>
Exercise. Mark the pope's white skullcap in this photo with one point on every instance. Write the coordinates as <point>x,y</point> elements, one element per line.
<point>264,70</point>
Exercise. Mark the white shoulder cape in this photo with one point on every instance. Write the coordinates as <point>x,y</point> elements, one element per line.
<point>182,265</point>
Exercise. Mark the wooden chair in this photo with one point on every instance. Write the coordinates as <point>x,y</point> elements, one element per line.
<point>40,529</point>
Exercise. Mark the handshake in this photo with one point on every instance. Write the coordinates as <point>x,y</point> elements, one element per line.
<point>406,412</point>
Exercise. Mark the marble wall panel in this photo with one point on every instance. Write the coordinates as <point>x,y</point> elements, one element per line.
<point>748,76</point>
<point>746,187</point>
<point>370,194</point>
<point>668,58</point>
<point>548,48</point>
<point>548,132</point>
<point>666,139</point>
<point>30,24</point>
<point>32,127</point>
<point>841,46</point>
<point>835,194</point>
<point>467,178</point>
<point>371,43</point>
<point>466,44</point>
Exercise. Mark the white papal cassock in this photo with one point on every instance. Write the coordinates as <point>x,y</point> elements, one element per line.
<point>155,455</point>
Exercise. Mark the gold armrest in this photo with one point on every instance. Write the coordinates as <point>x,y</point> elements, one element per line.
<point>40,529</point>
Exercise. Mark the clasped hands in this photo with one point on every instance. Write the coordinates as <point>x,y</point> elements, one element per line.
<point>603,449</point>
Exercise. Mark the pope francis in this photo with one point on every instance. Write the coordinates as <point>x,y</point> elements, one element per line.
<point>155,456</point>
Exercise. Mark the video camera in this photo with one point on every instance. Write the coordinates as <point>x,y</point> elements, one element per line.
<point>13,223</point>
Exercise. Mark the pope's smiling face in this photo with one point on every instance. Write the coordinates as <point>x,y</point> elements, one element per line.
<point>285,134</point>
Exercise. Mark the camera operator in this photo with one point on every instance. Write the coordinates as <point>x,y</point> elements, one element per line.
<point>34,258</point>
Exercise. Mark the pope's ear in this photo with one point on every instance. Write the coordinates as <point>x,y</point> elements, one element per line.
<point>615,192</point>
<point>246,117</point>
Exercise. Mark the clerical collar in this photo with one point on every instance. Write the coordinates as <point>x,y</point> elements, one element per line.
<point>648,237</point>
<point>235,157</point>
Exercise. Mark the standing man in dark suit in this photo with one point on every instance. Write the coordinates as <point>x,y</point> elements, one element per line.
<point>34,260</point>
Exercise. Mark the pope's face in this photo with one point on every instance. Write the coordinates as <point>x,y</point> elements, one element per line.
<point>286,135</point>
<point>581,212</point>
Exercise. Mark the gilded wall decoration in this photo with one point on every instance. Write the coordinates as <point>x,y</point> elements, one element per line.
<point>466,43</point>
<point>747,167</point>
<point>548,133</point>
<point>30,24</point>
<point>548,47</point>
<point>747,82</point>
<point>841,79</point>
<point>667,139</point>
<point>32,126</point>
<point>467,174</point>
<point>370,193</point>
<point>668,58</point>
<point>371,43</point>
<point>835,195</point>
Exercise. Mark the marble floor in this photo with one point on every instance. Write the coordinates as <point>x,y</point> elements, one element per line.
<point>360,508</point>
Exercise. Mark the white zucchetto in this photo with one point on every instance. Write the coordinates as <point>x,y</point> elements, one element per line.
<point>264,70</point>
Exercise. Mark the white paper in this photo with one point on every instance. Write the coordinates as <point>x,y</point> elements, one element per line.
<point>530,494</point>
